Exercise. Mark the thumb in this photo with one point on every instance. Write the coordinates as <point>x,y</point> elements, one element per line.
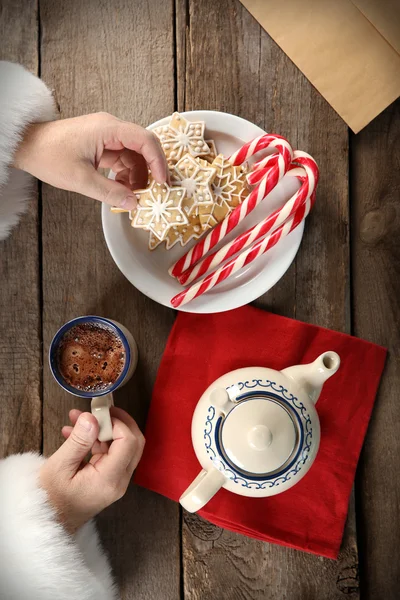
<point>70,455</point>
<point>97,186</point>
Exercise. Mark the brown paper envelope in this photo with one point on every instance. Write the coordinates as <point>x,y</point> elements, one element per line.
<point>338,50</point>
<point>385,16</point>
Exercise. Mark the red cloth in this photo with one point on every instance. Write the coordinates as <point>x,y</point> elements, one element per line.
<point>311,515</point>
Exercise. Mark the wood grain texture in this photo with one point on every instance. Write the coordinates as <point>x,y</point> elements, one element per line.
<point>118,57</point>
<point>375,185</point>
<point>20,324</point>
<point>231,64</point>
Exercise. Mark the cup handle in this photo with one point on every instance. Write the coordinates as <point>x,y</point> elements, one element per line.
<point>100,408</point>
<point>202,489</point>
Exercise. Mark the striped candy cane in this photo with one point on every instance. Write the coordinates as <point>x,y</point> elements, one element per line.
<point>246,257</point>
<point>308,174</point>
<point>267,140</point>
<point>268,182</point>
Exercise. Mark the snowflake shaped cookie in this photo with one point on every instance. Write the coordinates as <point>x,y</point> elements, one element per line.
<point>229,182</point>
<point>213,151</point>
<point>191,230</point>
<point>154,241</point>
<point>181,136</point>
<point>196,177</point>
<point>229,188</point>
<point>116,210</point>
<point>212,214</point>
<point>181,234</point>
<point>159,208</point>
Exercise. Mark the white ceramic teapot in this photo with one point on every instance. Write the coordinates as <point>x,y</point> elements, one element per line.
<point>256,432</point>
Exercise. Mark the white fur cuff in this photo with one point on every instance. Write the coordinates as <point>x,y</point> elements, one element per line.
<point>24,99</point>
<point>38,559</point>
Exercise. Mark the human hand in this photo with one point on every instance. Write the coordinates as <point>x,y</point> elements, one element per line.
<point>78,491</point>
<point>67,154</point>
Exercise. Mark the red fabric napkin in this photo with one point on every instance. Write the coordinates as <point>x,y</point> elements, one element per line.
<point>311,515</point>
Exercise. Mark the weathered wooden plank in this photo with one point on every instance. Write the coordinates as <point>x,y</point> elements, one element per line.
<point>118,57</point>
<point>20,325</point>
<point>231,64</point>
<point>375,234</point>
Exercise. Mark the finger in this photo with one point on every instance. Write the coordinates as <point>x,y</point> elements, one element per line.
<point>91,183</point>
<point>95,458</point>
<point>97,448</point>
<point>130,167</point>
<point>123,177</point>
<point>125,449</point>
<point>146,143</point>
<point>78,444</point>
<point>116,412</point>
<point>117,160</point>
<point>136,459</point>
<point>74,415</point>
<point>133,180</point>
<point>126,418</point>
<point>138,173</point>
<point>66,431</point>
<point>119,413</point>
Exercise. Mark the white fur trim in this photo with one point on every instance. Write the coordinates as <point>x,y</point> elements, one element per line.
<point>24,99</point>
<point>38,559</point>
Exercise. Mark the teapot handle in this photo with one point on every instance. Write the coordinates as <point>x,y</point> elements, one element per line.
<point>202,489</point>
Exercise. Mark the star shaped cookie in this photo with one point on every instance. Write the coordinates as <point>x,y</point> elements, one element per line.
<point>213,151</point>
<point>181,136</point>
<point>212,214</point>
<point>159,208</point>
<point>181,234</point>
<point>195,177</point>
<point>229,188</point>
<point>116,210</point>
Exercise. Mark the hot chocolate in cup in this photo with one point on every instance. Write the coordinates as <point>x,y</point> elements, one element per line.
<point>91,357</point>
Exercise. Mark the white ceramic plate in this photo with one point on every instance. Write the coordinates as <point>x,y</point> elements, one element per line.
<point>148,270</point>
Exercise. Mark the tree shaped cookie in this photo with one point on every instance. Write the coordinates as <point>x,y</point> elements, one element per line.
<point>181,136</point>
<point>229,188</point>
<point>159,208</point>
<point>196,177</point>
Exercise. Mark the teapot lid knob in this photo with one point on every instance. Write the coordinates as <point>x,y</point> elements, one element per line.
<point>259,437</point>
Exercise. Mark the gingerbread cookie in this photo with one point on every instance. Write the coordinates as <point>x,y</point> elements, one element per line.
<point>213,151</point>
<point>192,230</point>
<point>115,209</point>
<point>154,241</point>
<point>181,234</point>
<point>181,136</point>
<point>184,233</point>
<point>159,208</point>
<point>196,177</point>
<point>229,189</point>
<point>211,215</point>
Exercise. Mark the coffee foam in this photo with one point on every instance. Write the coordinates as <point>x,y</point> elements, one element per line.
<point>91,357</point>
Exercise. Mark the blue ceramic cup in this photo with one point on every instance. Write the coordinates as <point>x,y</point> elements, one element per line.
<point>101,400</point>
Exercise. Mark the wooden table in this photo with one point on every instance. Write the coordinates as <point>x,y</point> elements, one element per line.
<point>141,61</point>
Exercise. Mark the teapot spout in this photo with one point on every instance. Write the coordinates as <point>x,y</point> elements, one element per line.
<point>312,377</point>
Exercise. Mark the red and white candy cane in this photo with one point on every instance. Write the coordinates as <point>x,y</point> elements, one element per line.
<point>271,176</point>
<point>264,141</point>
<point>308,174</point>
<point>246,257</point>
<point>261,168</point>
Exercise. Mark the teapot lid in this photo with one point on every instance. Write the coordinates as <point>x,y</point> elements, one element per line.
<point>259,436</point>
